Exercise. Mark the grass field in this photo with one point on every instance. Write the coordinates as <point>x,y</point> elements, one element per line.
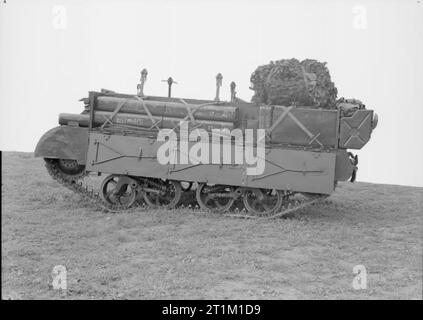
<point>189,254</point>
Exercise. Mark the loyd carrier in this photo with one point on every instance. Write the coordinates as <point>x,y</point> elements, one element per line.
<point>270,159</point>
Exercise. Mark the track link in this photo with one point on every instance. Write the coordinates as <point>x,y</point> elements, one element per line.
<point>75,184</point>
<point>289,208</point>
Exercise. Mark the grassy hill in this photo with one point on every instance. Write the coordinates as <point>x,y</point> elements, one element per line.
<point>188,254</point>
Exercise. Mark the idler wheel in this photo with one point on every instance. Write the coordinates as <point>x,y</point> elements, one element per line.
<point>161,193</point>
<point>263,202</point>
<point>69,169</point>
<point>218,198</point>
<point>119,190</point>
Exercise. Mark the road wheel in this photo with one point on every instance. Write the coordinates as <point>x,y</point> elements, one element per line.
<point>263,202</point>
<point>162,193</point>
<point>119,190</point>
<point>218,198</point>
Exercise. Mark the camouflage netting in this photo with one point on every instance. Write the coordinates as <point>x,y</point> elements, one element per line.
<point>289,81</point>
<point>350,103</point>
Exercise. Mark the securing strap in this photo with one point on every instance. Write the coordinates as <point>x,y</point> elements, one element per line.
<point>190,113</point>
<point>192,109</point>
<point>310,80</point>
<point>154,122</point>
<point>109,119</point>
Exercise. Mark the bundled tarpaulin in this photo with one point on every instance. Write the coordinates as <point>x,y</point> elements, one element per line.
<point>289,82</point>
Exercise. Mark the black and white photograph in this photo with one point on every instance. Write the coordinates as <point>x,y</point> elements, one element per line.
<point>229,152</point>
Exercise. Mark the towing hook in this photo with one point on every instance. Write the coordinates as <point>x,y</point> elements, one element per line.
<point>354,174</point>
<point>353,158</point>
<point>354,162</point>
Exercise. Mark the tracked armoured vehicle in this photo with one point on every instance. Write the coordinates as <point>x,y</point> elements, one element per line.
<point>306,151</point>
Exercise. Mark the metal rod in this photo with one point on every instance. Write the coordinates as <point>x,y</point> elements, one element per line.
<point>219,78</point>
<point>169,81</point>
<point>233,92</point>
<point>140,86</point>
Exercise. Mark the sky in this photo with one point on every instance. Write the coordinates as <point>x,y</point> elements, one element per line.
<point>53,52</point>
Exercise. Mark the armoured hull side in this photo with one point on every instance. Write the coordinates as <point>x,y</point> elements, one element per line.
<point>285,169</point>
<point>64,142</point>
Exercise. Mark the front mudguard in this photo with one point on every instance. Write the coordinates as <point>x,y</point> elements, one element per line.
<point>64,142</point>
